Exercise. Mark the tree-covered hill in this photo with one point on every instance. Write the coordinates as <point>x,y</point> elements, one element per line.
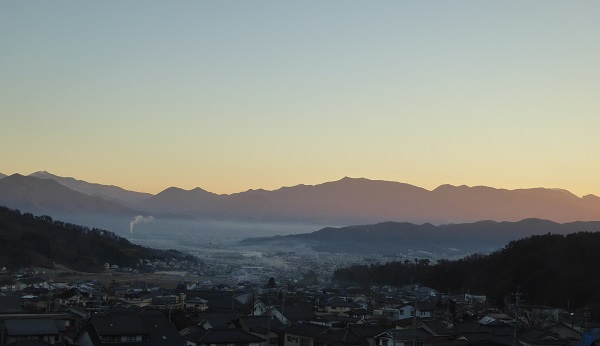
<point>443,241</point>
<point>28,240</point>
<point>552,269</point>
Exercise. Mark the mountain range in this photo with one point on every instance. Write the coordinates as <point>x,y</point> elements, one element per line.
<point>346,201</point>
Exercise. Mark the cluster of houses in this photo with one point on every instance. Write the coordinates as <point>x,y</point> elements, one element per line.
<point>36,312</point>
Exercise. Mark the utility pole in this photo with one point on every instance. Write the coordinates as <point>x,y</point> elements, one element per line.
<point>586,317</point>
<point>517,315</point>
<point>269,307</point>
<point>415,319</point>
<point>282,302</point>
<point>517,295</point>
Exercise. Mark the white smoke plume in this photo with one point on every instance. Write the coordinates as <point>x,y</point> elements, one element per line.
<point>139,219</point>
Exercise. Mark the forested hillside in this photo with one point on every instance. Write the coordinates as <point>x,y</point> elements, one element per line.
<point>551,269</point>
<point>28,240</point>
<point>443,241</point>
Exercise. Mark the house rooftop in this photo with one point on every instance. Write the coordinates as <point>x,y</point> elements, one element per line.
<point>223,336</point>
<point>305,329</point>
<point>21,327</point>
<point>118,324</point>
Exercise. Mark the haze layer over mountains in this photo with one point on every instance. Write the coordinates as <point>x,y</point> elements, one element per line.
<point>344,202</point>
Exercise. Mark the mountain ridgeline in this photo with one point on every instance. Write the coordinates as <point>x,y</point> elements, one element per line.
<point>551,269</point>
<point>28,240</point>
<point>346,201</point>
<point>444,241</point>
<point>48,196</point>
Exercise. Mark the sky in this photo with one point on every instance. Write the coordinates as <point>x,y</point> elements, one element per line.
<point>237,95</point>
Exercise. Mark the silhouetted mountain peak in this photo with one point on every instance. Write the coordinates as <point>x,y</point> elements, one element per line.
<point>47,195</point>
<point>171,191</point>
<point>199,190</point>
<point>42,173</point>
<point>26,180</point>
<point>108,192</point>
<point>463,188</point>
<point>48,175</point>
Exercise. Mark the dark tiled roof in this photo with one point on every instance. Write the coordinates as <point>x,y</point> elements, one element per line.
<point>223,336</point>
<point>217,319</point>
<point>224,304</point>
<point>118,324</point>
<point>19,327</point>
<point>367,331</point>
<point>35,290</point>
<point>344,336</point>
<point>477,333</point>
<point>78,312</point>
<point>534,336</point>
<point>4,280</point>
<point>10,305</point>
<point>305,329</point>
<point>437,327</point>
<point>407,322</point>
<point>297,313</point>
<point>260,324</point>
<point>29,343</point>
<point>67,294</point>
<point>150,324</point>
<point>426,306</point>
<point>359,312</point>
<point>337,318</point>
<point>409,334</point>
<point>159,328</point>
<point>338,302</point>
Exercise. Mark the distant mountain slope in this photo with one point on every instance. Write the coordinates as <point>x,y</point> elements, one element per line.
<point>346,201</point>
<point>352,200</point>
<point>393,238</point>
<point>46,196</point>
<point>108,192</point>
<point>2,175</point>
<point>26,240</point>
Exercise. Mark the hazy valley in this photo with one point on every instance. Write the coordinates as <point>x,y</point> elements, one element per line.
<point>400,220</point>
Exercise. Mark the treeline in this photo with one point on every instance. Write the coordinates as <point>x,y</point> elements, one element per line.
<point>555,270</point>
<point>28,240</point>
